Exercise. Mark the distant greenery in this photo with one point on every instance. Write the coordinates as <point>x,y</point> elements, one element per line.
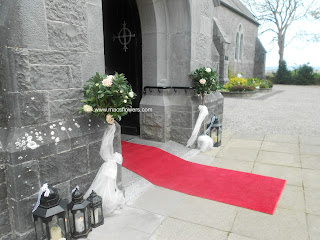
<point>301,75</point>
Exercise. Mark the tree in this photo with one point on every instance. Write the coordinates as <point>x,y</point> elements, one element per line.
<point>278,16</point>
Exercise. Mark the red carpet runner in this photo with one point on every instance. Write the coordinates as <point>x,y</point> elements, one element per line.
<point>241,189</point>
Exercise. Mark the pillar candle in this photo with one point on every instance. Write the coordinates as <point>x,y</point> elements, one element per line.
<point>55,233</point>
<point>79,224</point>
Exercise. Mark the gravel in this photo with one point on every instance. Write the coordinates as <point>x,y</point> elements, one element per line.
<point>289,110</point>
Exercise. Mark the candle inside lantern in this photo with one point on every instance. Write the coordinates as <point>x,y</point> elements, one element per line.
<point>79,224</point>
<point>55,233</point>
<point>97,211</point>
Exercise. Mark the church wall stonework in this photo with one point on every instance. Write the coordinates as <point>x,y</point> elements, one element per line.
<point>48,50</point>
<point>230,22</point>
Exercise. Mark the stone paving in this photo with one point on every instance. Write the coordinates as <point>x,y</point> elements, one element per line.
<point>162,214</point>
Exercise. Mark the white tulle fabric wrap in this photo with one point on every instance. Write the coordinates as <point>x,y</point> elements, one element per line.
<point>204,142</point>
<point>105,182</point>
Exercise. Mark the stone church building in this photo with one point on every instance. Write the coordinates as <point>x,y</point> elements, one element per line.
<point>50,48</point>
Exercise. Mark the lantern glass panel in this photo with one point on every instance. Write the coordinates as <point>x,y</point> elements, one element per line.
<point>214,135</point>
<point>87,218</point>
<point>79,222</point>
<point>56,231</point>
<point>40,229</point>
<point>71,221</point>
<point>219,134</point>
<point>99,213</point>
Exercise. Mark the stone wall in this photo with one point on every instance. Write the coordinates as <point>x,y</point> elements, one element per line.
<point>230,22</point>
<point>174,113</point>
<point>260,60</point>
<point>49,48</point>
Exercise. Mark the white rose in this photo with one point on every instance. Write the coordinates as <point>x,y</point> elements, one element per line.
<point>131,94</point>
<point>208,70</point>
<point>109,119</point>
<point>87,108</point>
<point>108,81</point>
<point>121,91</point>
<point>202,81</point>
<point>125,101</point>
<point>97,84</point>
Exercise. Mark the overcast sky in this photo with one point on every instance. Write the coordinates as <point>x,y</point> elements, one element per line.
<point>299,51</point>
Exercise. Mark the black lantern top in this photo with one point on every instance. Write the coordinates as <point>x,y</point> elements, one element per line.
<point>216,122</point>
<point>50,205</point>
<point>77,200</point>
<point>77,196</point>
<point>50,201</point>
<point>94,199</point>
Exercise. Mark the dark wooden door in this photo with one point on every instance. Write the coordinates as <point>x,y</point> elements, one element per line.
<point>123,51</point>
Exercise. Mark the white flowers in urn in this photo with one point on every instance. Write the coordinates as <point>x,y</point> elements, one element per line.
<point>208,70</point>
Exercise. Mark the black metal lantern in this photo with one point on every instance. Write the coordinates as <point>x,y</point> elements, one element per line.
<point>214,130</point>
<point>79,215</point>
<point>50,217</point>
<point>96,213</point>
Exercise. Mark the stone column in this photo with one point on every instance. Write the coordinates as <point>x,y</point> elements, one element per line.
<point>49,50</point>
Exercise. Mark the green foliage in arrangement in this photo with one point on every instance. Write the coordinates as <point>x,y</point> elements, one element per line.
<point>107,97</point>
<point>204,81</point>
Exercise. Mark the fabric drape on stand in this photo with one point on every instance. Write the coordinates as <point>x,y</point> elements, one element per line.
<point>105,182</point>
<point>204,141</point>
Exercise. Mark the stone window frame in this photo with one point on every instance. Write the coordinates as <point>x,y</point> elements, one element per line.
<point>239,44</point>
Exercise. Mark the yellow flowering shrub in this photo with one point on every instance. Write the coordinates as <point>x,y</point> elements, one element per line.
<point>236,81</point>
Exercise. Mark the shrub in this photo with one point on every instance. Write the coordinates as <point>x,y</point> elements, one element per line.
<point>241,88</point>
<point>204,81</point>
<point>235,82</point>
<point>254,81</point>
<point>304,75</point>
<point>317,78</point>
<point>283,75</point>
<point>107,92</point>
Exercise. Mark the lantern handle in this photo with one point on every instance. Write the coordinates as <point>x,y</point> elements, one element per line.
<point>44,189</point>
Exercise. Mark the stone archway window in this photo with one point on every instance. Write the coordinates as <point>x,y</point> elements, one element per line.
<point>241,45</point>
<point>237,46</point>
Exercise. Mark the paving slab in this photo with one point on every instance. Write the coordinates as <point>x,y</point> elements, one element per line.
<point>206,212</point>
<point>236,165</point>
<point>310,140</point>
<point>278,158</point>
<point>134,190</point>
<point>233,236</point>
<point>309,149</point>
<point>244,143</point>
<point>281,138</point>
<point>280,147</point>
<point>291,174</point>
<point>312,196</point>
<point>202,159</point>
<point>292,198</point>
<point>314,226</point>
<point>236,153</point>
<point>248,135</point>
<point>283,225</point>
<point>130,223</point>
<point>311,178</point>
<point>158,200</point>
<point>214,151</point>
<point>311,162</point>
<point>175,229</point>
